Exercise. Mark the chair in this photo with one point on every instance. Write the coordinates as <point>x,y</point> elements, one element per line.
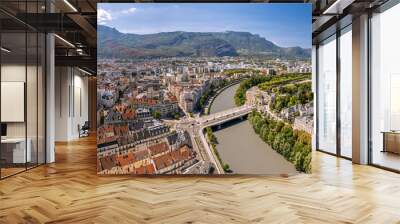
<point>84,130</point>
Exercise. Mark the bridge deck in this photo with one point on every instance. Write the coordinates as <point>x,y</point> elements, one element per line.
<point>224,116</point>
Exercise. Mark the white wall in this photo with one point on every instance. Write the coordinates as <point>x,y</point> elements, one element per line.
<point>61,103</point>
<point>11,73</point>
<point>33,126</point>
<point>70,83</point>
<point>79,117</point>
<point>17,73</point>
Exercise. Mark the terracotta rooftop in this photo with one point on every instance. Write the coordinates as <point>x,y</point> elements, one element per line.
<point>158,148</point>
<point>184,153</point>
<point>147,169</point>
<point>163,161</point>
<point>140,155</point>
<point>126,159</point>
<point>145,101</point>
<point>107,162</point>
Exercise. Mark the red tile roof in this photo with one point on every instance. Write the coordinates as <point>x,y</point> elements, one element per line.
<point>121,129</point>
<point>147,169</point>
<point>107,162</point>
<point>126,159</point>
<point>150,169</point>
<point>140,155</point>
<point>105,133</point>
<point>150,102</point>
<point>158,148</point>
<point>184,153</point>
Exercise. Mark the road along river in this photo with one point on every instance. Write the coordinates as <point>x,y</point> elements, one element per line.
<point>241,148</point>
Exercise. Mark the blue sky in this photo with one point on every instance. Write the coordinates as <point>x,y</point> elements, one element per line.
<point>284,24</point>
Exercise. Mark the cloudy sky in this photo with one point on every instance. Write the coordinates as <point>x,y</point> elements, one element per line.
<point>284,24</point>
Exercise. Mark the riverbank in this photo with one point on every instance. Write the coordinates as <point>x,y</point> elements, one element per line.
<point>213,141</point>
<point>210,100</point>
<point>265,82</point>
<point>241,148</point>
<point>240,94</point>
<point>294,145</point>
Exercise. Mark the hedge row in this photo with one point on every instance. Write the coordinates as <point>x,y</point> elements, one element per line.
<point>294,145</point>
<point>240,95</point>
<point>213,141</point>
<point>265,82</point>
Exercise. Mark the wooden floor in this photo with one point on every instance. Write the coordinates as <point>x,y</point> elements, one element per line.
<point>69,191</point>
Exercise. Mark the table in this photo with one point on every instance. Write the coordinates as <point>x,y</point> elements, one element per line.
<point>13,150</point>
<point>391,141</point>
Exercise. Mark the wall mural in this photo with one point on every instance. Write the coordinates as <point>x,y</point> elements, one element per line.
<point>204,88</point>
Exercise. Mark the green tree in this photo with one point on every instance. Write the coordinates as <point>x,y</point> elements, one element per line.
<point>226,168</point>
<point>177,116</point>
<point>157,114</point>
<point>293,101</point>
<point>240,95</point>
<point>294,145</point>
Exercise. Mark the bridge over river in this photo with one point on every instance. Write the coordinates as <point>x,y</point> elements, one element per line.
<point>224,116</point>
<point>238,145</point>
<point>195,127</point>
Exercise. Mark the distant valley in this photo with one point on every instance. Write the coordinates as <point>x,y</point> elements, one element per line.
<point>114,44</point>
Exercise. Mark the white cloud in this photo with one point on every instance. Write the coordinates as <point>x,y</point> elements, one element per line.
<point>128,11</point>
<point>103,16</point>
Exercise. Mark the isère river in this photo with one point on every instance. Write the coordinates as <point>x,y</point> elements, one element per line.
<point>242,148</point>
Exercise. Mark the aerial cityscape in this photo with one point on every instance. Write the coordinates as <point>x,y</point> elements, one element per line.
<point>215,101</point>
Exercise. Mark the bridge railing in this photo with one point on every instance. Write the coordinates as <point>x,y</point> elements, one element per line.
<point>225,114</point>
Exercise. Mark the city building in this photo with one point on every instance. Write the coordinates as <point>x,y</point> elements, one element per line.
<point>304,123</point>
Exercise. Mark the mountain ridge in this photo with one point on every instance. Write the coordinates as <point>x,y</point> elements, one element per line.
<point>114,44</point>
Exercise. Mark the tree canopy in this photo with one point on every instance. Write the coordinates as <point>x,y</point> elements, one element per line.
<point>294,145</point>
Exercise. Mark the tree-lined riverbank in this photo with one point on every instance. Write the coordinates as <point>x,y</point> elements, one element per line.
<point>265,82</point>
<point>294,145</point>
<point>241,148</point>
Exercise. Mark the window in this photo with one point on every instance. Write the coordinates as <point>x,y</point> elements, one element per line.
<point>327,95</point>
<point>22,88</point>
<point>345,92</point>
<point>385,89</point>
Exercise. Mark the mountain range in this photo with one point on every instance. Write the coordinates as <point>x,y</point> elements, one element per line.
<point>114,44</point>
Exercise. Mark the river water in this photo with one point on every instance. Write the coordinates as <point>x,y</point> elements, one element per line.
<point>242,148</point>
